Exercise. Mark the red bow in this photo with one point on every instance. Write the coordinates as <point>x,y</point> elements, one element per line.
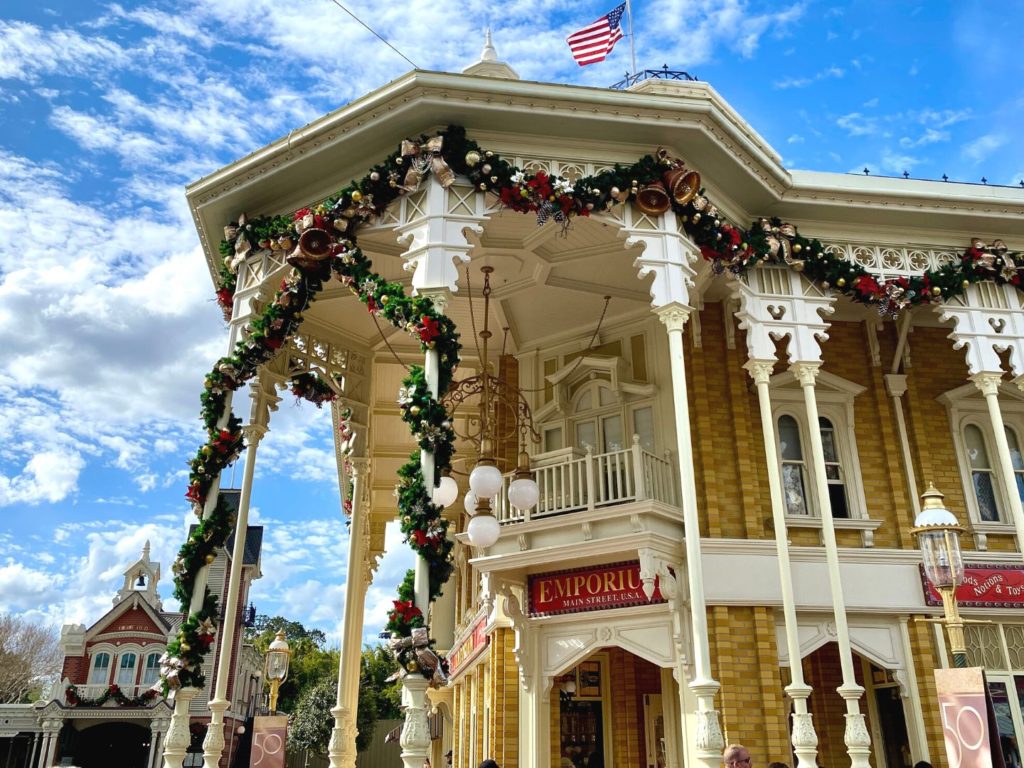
<point>406,610</point>
<point>428,329</point>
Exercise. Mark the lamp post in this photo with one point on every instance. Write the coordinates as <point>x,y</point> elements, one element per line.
<point>938,536</point>
<point>276,666</point>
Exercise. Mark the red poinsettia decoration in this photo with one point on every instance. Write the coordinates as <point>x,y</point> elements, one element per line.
<point>406,610</point>
<point>195,494</point>
<point>867,286</point>
<point>428,329</point>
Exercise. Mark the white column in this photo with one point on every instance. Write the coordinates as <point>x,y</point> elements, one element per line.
<point>342,748</point>
<point>856,736</point>
<point>156,732</point>
<point>178,737</point>
<point>805,740</point>
<point>213,744</point>
<point>896,386</point>
<point>708,737</point>
<point>51,743</point>
<point>415,739</point>
<point>988,385</point>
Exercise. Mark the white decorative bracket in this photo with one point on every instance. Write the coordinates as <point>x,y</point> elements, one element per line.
<point>433,221</point>
<point>777,301</point>
<point>988,319</point>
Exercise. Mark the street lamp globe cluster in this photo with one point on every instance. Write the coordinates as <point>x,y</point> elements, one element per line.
<point>485,479</point>
<point>276,670</point>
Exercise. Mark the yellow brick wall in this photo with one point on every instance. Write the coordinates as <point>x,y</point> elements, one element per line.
<point>729,460</point>
<point>744,659</point>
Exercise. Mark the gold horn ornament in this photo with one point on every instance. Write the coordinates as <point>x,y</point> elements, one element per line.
<point>314,246</point>
<point>682,184</point>
<point>653,199</point>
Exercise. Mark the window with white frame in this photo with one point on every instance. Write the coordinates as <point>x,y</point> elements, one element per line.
<point>100,673</point>
<point>975,445</point>
<point>126,669</point>
<point>151,673</point>
<point>835,397</point>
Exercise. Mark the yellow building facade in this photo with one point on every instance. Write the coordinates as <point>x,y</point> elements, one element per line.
<point>729,465</point>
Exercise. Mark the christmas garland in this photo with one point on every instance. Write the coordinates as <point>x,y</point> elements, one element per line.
<point>112,693</point>
<point>320,241</point>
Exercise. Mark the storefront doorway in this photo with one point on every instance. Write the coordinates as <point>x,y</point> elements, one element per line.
<point>611,713</point>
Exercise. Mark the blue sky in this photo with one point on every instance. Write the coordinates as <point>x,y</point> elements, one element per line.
<point>107,323</point>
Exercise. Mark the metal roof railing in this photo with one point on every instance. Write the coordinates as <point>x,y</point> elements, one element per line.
<point>653,74</point>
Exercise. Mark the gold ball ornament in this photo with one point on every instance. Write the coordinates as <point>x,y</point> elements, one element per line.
<point>936,291</point>
<point>414,410</point>
<point>966,283</point>
<point>797,247</point>
<point>357,196</point>
<point>210,558</point>
<point>472,158</point>
<point>392,183</point>
<point>841,282</point>
<point>385,299</point>
<point>412,666</point>
<point>696,217</point>
<point>185,647</point>
<point>743,246</point>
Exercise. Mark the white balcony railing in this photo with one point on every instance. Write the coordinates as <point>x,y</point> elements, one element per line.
<point>588,482</point>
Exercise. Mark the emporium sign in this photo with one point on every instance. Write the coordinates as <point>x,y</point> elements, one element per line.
<point>984,586</point>
<point>472,645</point>
<point>617,585</point>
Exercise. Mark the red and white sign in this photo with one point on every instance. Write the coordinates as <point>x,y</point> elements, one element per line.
<point>984,586</point>
<point>469,649</point>
<point>588,589</point>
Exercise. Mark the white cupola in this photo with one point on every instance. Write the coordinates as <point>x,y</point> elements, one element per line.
<point>489,66</point>
<point>141,579</point>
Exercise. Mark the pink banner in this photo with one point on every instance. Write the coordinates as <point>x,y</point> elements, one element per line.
<point>268,741</point>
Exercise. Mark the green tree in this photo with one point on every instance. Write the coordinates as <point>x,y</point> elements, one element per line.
<point>310,661</point>
<point>378,699</point>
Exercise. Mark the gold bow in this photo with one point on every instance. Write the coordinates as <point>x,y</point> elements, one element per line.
<point>424,157</point>
<point>779,242</point>
<point>419,644</point>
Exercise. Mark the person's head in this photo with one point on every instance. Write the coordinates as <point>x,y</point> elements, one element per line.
<point>736,756</point>
<point>777,765</point>
<point>488,763</point>
<point>922,764</point>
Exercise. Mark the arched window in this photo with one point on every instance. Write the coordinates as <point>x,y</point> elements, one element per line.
<point>1017,459</point>
<point>833,470</point>
<point>126,670</point>
<point>152,671</point>
<point>100,673</point>
<point>982,475</point>
<point>794,471</point>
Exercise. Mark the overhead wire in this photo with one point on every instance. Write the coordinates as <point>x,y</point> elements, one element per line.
<point>376,34</point>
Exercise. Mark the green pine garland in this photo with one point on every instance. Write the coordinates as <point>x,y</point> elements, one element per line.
<point>726,246</point>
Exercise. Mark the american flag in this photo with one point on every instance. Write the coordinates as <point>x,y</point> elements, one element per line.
<point>595,41</point>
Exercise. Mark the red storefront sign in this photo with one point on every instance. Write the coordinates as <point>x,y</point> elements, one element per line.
<point>588,589</point>
<point>470,648</point>
<point>984,586</point>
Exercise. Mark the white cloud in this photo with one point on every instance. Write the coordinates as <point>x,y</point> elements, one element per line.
<point>930,136</point>
<point>983,146</point>
<point>802,82</point>
<point>857,124</point>
<point>796,138</point>
<point>48,476</point>
<point>28,51</point>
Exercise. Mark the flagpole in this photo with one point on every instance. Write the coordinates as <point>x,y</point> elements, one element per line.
<point>632,46</point>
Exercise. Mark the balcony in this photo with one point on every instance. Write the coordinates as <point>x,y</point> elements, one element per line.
<point>95,691</point>
<point>604,499</point>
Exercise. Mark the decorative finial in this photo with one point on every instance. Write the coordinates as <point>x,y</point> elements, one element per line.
<point>145,550</point>
<point>933,497</point>
<point>488,53</point>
